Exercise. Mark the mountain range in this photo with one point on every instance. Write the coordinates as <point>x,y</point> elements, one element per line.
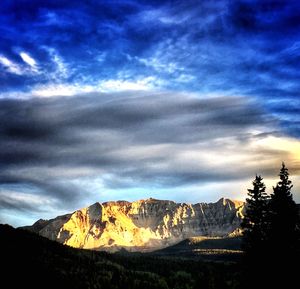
<point>144,225</point>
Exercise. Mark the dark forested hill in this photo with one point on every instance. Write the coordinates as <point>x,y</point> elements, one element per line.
<point>31,261</point>
<point>205,248</point>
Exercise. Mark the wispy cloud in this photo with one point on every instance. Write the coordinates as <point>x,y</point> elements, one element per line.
<point>10,66</point>
<point>57,90</point>
<point>159,66</point>
<point>61,71</point>
<point>21,201</point>
<point>28,59</point>
<point>142,84</point>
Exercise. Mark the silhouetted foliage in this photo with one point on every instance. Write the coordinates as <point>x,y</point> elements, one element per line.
<point>255,220</point>
<point>255,226</point>
<point>283,232</point>
<point>271,235</point>
<point>283,215</point>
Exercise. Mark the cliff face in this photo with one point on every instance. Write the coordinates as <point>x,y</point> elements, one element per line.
<point>142,225</point>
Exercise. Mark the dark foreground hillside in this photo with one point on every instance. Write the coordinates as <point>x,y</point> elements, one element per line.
<point>31,261</point>
<point>206,249</point>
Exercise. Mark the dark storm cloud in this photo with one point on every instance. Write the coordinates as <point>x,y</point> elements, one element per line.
<point>8,202</point>
<point>12,204</point>
<point>60,121</point>
<point>44,186</point>
<point>44,140</point>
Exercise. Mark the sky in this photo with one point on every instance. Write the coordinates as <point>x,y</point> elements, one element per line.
<point>126,100</point>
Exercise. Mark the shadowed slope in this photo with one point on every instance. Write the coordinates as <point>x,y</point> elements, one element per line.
<point>32,261</point>
<point>205,248</point>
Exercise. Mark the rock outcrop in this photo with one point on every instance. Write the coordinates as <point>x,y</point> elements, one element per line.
<point>142,225</point>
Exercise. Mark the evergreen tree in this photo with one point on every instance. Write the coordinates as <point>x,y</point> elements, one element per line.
<point>255,220</point>
<point>282,234</point>
<point>271,235</point>
<point>254,235</point>
<point>283,215</point>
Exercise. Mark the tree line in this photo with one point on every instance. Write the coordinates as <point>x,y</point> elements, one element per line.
<point>271,235</point>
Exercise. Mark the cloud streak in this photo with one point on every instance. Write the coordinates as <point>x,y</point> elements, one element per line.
<point>134,140</point>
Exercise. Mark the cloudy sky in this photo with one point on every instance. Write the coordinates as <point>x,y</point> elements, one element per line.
<point>182,100</point>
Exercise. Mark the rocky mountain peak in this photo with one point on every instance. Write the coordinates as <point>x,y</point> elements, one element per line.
<point>229,202</point>
<point>141,225</point>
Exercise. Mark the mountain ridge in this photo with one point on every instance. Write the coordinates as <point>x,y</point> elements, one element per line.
<point>142,225</point>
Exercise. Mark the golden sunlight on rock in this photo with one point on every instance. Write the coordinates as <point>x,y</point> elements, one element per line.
<point>143,225</point>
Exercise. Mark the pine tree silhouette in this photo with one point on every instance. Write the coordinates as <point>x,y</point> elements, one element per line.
<point>271,235</point>
<point>283,215</point>
<point>255,220</point>
<point>254,234</point>
<point>283,234</point>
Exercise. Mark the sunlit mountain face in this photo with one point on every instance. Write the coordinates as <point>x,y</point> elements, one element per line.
<point>126,100</point>
<point>144,225</point>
